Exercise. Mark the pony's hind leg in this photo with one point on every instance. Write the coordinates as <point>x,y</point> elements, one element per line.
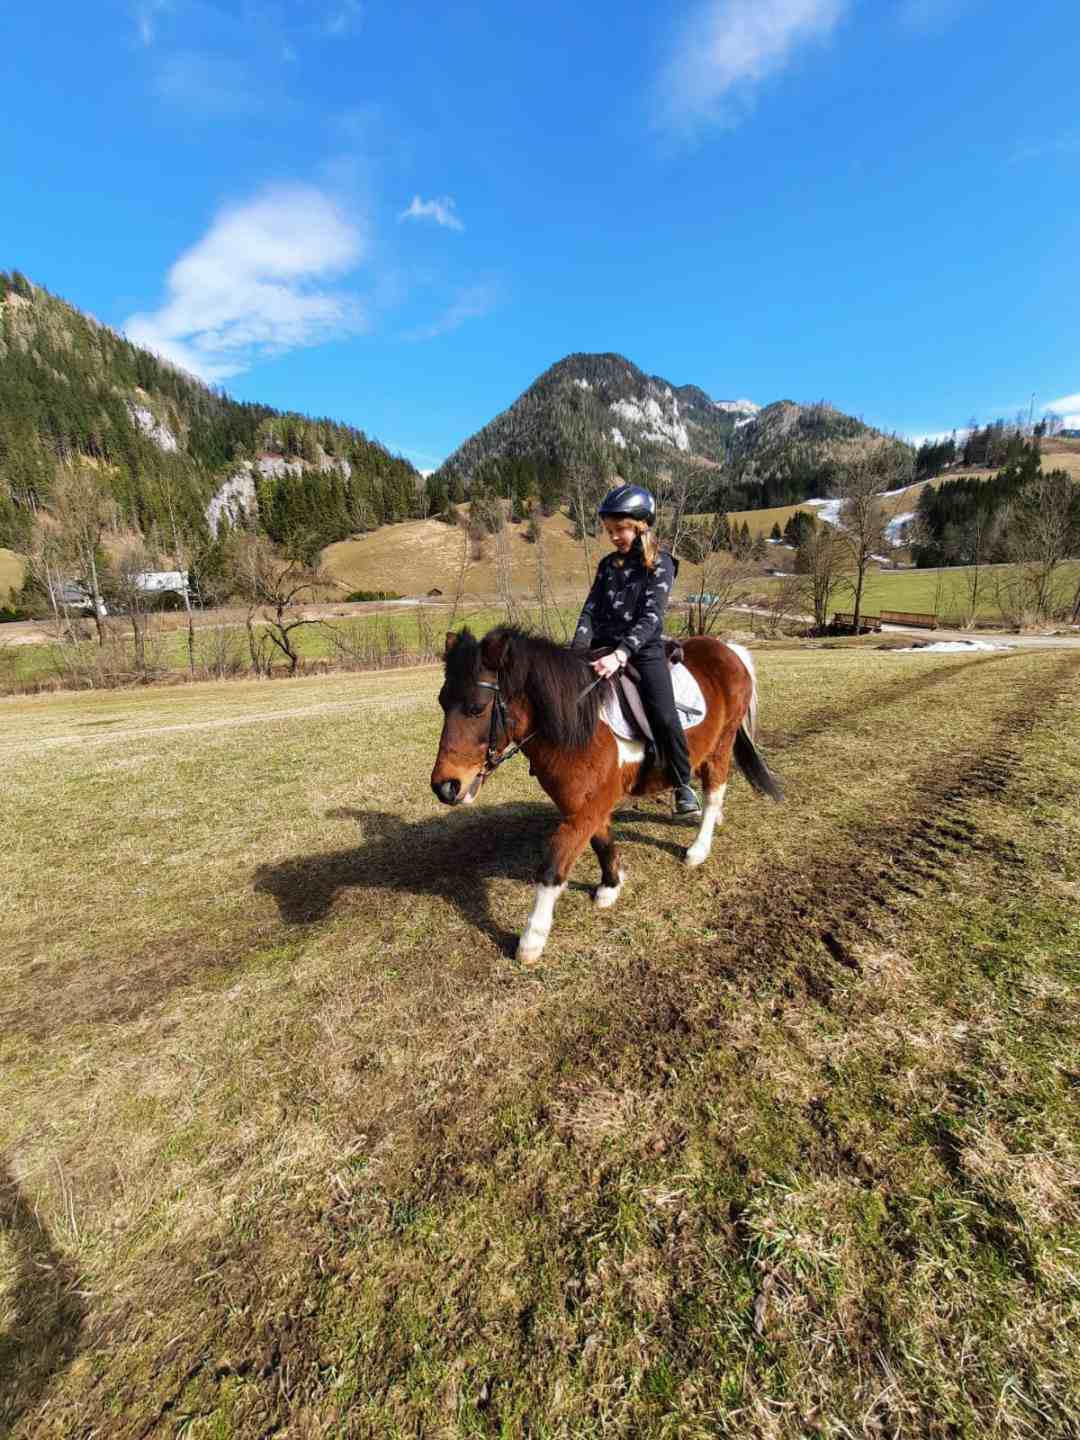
<point>714,780</point>
<point>612,874</point>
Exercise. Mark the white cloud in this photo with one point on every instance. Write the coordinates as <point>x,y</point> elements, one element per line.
<point>249,288</point>
<point>727,47</point>
<point>146,13</point>
<point>470,303</point>
<point>342,18</point>
<point>1064,402</point>
<point>443,212</point>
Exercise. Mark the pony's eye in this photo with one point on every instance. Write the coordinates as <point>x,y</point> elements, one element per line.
<point>474,710</point>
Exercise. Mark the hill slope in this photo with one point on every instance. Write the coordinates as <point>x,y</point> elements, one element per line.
<point>71,389</point>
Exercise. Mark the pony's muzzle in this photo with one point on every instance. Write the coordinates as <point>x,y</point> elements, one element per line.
<point>447,791</point>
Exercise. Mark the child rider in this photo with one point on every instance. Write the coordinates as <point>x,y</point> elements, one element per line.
<point>625,611</point>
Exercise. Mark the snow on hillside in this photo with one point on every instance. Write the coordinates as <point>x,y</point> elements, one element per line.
<point>894,530</point>
<point>737,407</point>
<point>660,427</point>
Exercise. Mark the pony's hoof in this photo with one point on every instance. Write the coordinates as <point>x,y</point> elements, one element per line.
<point>605,896</point>
<point>528,954</point>
<point>694,857</point>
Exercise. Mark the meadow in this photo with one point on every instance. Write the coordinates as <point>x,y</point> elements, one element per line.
<point>786,1146</point>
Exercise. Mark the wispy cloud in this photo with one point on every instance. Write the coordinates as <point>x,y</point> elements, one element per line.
<point>252,286</point>
<point>1046,149</point>
<point>342,18</point>
<point>443,212</point>
<point>206,85</point>
<point>1068,407</point>
<point>145,13</point>
<point>927,15</point>
<point>726,48</point>
<point>470,303</point>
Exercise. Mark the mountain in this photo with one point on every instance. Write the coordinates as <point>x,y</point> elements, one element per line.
<point>601,415</point>
<point>73,391</point>
<point>588,405</point>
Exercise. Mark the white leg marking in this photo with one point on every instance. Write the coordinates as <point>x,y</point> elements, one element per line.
<point>713,814</point>
<point>606,895</point>
<point>534,936</point>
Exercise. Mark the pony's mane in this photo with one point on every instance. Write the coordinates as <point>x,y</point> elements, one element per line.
<point>550,676</point>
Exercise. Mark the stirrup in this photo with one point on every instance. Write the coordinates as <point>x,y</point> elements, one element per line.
<point>686,801</point>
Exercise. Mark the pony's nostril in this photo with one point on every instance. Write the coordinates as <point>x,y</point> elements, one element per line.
<point>447,790</point>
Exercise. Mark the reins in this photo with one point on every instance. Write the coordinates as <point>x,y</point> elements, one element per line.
<point>500,720</point>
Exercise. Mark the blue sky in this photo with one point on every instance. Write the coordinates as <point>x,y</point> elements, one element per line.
<point>398,215</point>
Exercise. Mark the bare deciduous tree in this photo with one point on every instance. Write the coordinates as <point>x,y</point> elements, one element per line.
<point>867,471</point>
<point>824,560</point>
<point>1042,531</point>
<point>274,588</point>
<point>723,581</point>
<point>84,513</point>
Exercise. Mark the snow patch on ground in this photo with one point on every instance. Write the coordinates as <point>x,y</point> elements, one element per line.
<point>740,423</point>
<point>950,647</point>
<point>894,530</point>
<point>618,438</point>
<point>159,432</point>
<point>583,384</point>
<point>830,510</point>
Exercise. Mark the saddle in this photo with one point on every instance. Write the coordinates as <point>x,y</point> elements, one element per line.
<point>622,710</point>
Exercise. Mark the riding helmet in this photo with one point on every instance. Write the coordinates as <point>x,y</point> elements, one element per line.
<point>631,501</point>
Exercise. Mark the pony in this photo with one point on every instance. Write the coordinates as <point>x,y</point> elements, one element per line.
<point>514,690</point>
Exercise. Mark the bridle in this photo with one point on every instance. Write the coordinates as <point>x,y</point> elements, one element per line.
<point>501,721</point>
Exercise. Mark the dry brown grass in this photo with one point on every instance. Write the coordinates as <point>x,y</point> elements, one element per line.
<point>12,574</point>
<point>784,1146</point>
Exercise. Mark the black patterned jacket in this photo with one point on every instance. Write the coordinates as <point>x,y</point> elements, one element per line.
<point>626,604</point>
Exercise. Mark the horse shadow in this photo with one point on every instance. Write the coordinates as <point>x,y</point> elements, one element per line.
<point>454,856</point>
<point>48,1311</point>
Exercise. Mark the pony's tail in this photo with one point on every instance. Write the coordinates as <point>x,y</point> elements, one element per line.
<point>747,756</point>
<point>749,760</point>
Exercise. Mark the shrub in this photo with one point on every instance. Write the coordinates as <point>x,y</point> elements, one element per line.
<point>358,595</point>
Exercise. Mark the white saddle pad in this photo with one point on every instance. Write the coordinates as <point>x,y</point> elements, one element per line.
<point>687,695</point>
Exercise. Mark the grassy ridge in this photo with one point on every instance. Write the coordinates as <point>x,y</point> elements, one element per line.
<point>771,1148</point>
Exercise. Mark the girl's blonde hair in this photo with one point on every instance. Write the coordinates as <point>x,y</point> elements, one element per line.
<point>650,545</point>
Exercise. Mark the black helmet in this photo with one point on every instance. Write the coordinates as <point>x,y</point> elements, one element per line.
<point>629,500</point>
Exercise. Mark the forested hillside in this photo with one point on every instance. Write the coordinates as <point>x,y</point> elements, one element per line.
<point>161,444</point>
<point>597,415</point>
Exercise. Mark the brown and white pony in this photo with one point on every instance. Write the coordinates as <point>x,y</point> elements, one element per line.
<point>516,689</point>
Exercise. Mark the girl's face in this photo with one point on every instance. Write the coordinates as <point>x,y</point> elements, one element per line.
<point>621,533</point>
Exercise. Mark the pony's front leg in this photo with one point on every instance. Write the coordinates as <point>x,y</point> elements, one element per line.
<point>567,844</point>
<point>612,874</point>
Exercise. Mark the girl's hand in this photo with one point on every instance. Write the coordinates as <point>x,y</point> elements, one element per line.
<point>607,665</point>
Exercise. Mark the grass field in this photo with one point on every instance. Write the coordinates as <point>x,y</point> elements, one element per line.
<point>11,576</point>
<point>786,1146</point>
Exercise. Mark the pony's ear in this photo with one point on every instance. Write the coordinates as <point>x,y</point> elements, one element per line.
<point>495,649</point>
<point>451,641</point>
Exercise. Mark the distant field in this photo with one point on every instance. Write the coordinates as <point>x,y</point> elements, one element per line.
<point>783,1147</point>
<point>11,575</point>
<point>938,591</point>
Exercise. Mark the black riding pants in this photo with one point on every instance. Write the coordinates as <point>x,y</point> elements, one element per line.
<point>658,700</point>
